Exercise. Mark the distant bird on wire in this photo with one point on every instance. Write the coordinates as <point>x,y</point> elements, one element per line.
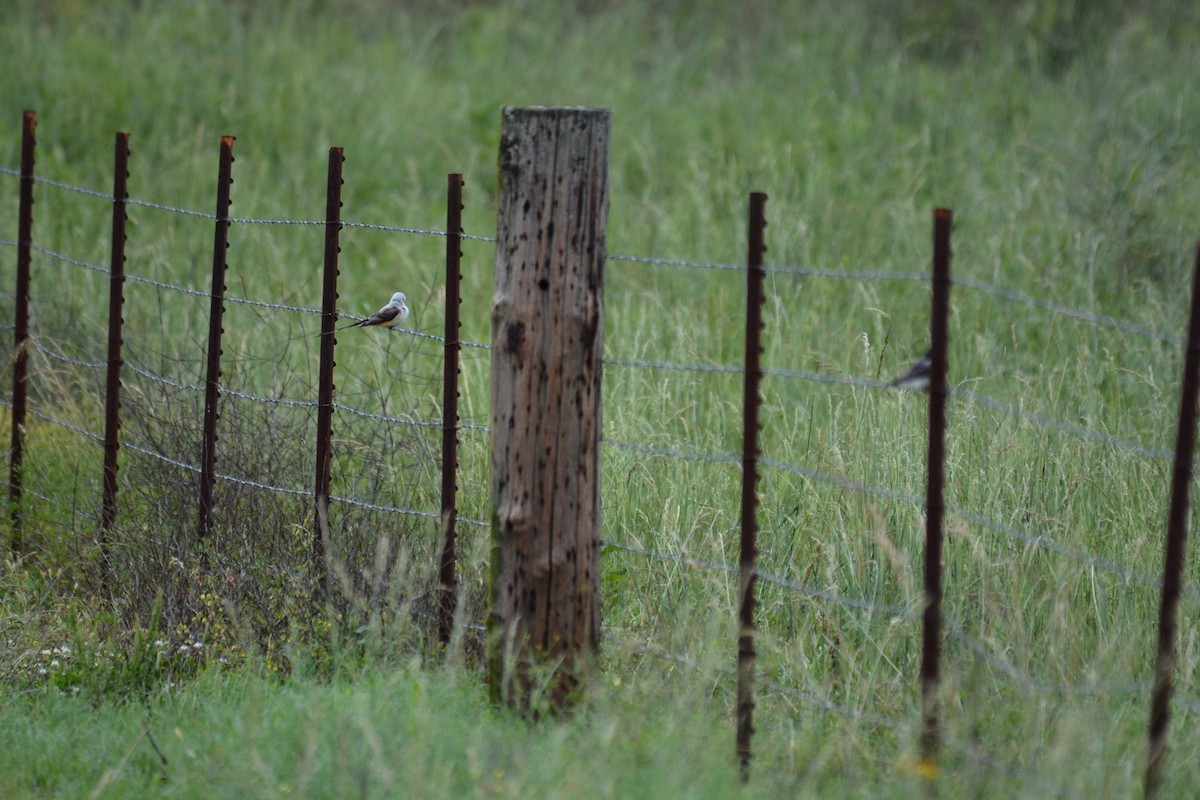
<point>391,315</point>
<point>918,375</point>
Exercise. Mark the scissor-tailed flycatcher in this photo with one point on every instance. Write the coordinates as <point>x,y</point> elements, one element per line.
<point>391,315</point>
<point>918,375</point>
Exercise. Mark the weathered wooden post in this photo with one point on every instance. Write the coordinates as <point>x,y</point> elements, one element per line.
<point>547,336</point>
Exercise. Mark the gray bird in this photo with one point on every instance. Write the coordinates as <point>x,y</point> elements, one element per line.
<point>918,375</point>
<point>391,315</point>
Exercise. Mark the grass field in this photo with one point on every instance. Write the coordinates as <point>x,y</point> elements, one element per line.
<point>1062,137</point>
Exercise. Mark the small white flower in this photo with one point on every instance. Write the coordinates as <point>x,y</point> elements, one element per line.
<point>197,645</point>
<point>46,653</point>
<point>185,648</point>
<point>159,643</point>
<point>54,664</point>
<point>64,651</point>
<point>41,671</point>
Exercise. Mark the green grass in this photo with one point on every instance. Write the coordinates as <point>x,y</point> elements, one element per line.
<point>1061,137</point>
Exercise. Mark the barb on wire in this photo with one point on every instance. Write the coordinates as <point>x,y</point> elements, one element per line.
<point>414,423</point>
<point>42,415</point>
<point>271,401</point>
<point>677,262</point>
<point>138,369</point>
<point>70,187</point>
<point>278,306</point>
<point>274,221</point>
<point>370,226</point>
<point>146,451</point>
<point>37,248</point>
<point>37,343</point>
<point>187,212</point>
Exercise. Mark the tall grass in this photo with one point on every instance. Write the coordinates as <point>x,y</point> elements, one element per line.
<point>1060,137</point>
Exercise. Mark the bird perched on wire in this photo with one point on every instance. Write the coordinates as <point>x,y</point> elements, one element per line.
<point>391,315</point>
<point>918,375</point>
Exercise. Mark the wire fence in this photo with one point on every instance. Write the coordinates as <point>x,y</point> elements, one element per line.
<point>155,396</point>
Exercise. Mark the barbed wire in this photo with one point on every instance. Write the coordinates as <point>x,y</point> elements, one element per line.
<point>995,404</point>
<point>677,262</point>
<point>820,702</point>
<point>414,423</point>
<point>307,493</point>
<point>61,357</point>
<point>842,482</point>
<point>37,248</point>
<point>142,371</point>
<point>1102,320</point>
<point>63,507</point>
<point>1039,420</point>
<point>849,274</point>
<point>723,458</point>
<point>912,612</point>
<point>1074,429</point>
<point>826,378</point>
<point>1011,295</point>
<point>417,231</point>
<point>672,366</point>
<point>136,278</point>
<point>70,187</point>
<point>42,415</point>
<point>1126,573</point>
<point>138,369</point>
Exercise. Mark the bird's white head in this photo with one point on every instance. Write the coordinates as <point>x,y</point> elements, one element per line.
<point>398,299</point>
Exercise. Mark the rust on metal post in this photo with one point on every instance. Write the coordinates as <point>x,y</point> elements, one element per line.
<point>116,304</point>
<point>943,221</point>
<point>448,602</point>
<point>216,315</point>
<point>751,405</point>
<point>329,317</point>
<point>21,324</point>
<point>1173,560</point>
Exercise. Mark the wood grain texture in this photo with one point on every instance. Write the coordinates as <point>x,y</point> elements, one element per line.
<point>547,337</point>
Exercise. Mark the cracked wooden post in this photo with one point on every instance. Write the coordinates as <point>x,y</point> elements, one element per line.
<point>547,335</point>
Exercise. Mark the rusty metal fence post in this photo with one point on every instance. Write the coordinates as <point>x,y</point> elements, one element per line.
<point>448,602</point>
<point>21,325</point>
<point>329,317</point>
<point>751,405</point>
<point>1177,525</point>
<point>943,221</point>
<point>116,304</point>
<point>216,315</point>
